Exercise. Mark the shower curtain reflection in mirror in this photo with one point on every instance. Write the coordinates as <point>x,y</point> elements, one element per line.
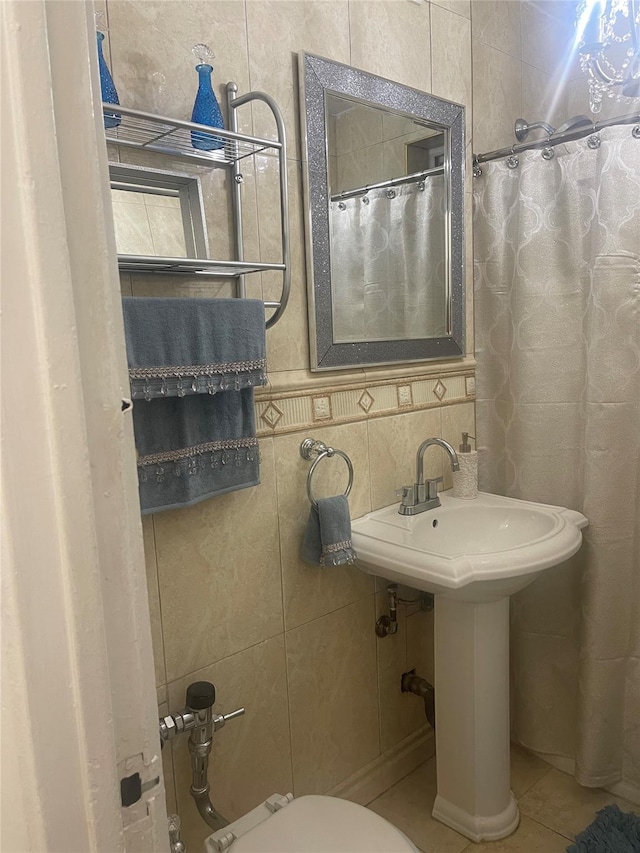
<point>388,263</point>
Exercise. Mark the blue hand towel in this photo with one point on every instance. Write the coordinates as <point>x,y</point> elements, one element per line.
<point>327,538</point>
<point>193,364</point>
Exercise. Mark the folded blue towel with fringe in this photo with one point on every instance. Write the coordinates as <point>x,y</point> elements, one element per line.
<point>327,538</point>
<point>193,364</point>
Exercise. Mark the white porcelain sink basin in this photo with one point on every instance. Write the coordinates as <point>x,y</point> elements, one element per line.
<point>473,550</point>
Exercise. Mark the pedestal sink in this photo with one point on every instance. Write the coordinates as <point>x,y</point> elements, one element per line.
<point>472,554</point>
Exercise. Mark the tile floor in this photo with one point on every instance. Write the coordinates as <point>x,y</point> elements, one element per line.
<point>553,809</point>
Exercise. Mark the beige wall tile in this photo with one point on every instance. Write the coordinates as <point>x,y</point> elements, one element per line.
<point>152,63</point>
<point>331,666</point>
<point>548,37</point>
<point>219,572</point>
<point>277,31</point>
<point>391,660</point>
<point>154,599</point>
<point>543,99</point>
<point>451,59</point>
<point>378,27</point>
<point>496,23</point>
<point>133,233</point>
<point>310,591</point>
<point>167,231</point>
<point>288,340</point>
<point>393,443</point>
<point>251,757</point>
<point>400,713</point>
<point>497,97</point>
<point>460,7</point>
<point>420,657</point>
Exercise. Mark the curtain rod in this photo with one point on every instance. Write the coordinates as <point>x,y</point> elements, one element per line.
<point>557,138</point>
<point>393,182</point>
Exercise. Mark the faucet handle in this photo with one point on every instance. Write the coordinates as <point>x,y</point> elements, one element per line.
<point>406,495</point>
<point>432,487</point>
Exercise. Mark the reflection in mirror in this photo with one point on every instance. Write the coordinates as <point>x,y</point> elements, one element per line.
<point>384,179</point>
<point>148,224</point>
<point>387,217</point>
<point>156,213</point>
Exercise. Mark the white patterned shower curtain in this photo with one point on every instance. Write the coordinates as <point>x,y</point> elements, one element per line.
<point>557,307</point>
<point>388,272</point>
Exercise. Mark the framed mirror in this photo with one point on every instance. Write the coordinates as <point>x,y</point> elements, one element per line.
<point>384,192</point>
<point>157,213</point>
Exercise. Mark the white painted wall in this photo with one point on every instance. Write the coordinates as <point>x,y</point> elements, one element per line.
<point>78,695</point>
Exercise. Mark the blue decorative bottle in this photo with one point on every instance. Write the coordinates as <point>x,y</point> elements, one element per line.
<point>107,86</point>
<point>206,109</point>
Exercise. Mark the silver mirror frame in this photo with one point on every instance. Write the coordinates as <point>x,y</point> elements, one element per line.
<point>187,188</point>
<point>317,77</point>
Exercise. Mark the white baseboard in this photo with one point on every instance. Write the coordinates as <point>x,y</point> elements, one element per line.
<point>390,767</point>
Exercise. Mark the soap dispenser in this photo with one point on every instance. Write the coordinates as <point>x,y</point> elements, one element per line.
<point>465,480</point>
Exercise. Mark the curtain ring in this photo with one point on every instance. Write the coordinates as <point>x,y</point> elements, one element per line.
<point>547,152</point>
<point>594,140</point>
<point>477,170</point>
<point>391,193</point>
<point>512,161</point>
<point>635,132</point>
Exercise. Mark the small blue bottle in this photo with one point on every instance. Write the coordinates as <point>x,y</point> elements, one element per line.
<point>206,109</point>
<point>107,86</point>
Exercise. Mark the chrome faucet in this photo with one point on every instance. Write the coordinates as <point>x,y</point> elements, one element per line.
<point>422,496</point>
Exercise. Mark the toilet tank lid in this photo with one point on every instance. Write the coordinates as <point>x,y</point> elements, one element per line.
<point>309,824</point>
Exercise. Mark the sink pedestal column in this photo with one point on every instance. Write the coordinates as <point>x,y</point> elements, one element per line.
<point>472,718</point>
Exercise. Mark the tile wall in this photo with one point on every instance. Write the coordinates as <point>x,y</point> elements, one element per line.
<point>230,600</point>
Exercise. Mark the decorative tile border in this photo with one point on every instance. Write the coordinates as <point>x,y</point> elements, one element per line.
<point>284,412</point>
<point>322,407</point>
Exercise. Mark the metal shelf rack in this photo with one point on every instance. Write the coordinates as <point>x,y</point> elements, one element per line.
<point>172,137</point>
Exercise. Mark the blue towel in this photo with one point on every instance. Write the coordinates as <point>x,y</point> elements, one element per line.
<point>193,364</point>
<point>327,538</point>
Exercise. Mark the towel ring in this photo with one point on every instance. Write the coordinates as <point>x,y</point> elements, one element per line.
<point>311,447</point>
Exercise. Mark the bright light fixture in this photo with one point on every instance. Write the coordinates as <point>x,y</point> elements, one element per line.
<point>608,39</point>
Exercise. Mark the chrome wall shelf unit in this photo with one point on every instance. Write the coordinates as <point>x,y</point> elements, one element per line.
<point>172,137</point>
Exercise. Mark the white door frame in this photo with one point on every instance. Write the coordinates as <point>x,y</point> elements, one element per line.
<point>79,708</point>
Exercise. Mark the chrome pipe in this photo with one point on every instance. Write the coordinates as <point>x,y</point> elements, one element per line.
<point>392,182</point>
<point>234,103</point>
<point>236,192</point>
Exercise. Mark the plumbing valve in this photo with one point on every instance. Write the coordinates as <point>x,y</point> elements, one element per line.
<point>197,717</point>
<point>201,696</point>
<point>388,623</point>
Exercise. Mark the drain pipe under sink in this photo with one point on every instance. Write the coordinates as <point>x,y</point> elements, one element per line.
<point>412,683</point>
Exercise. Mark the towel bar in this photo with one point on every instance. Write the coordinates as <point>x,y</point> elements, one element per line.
<point>309,448</point>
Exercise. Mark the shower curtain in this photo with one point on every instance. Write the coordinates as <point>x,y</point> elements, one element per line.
<point>557,307</point>
<point>388,272</point>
